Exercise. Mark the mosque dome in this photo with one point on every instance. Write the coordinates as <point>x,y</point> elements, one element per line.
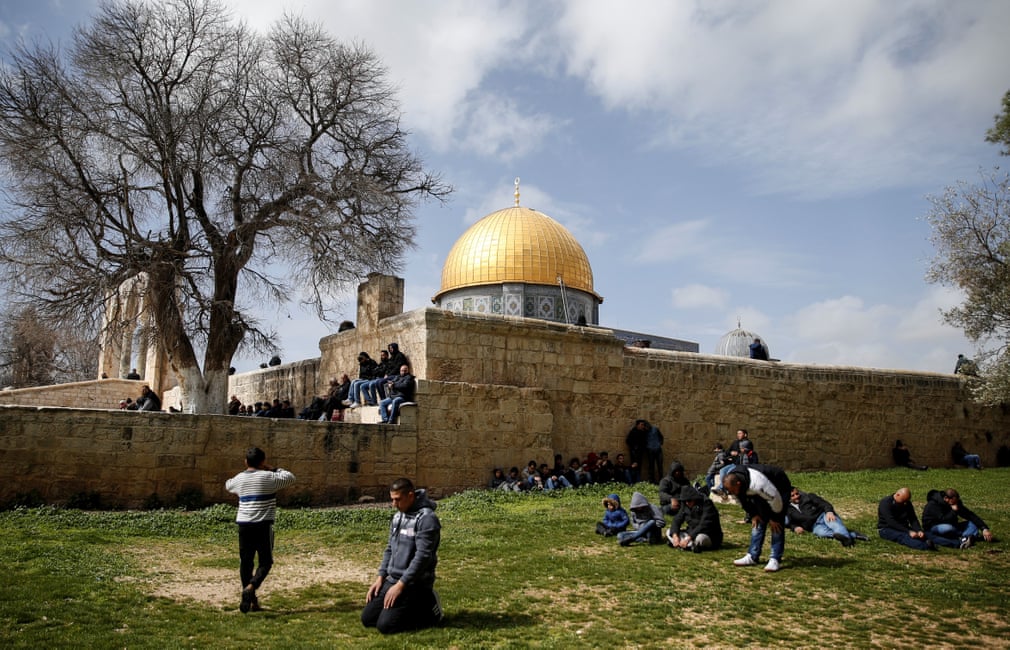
<point>737,343</point>
<point>519,246</point>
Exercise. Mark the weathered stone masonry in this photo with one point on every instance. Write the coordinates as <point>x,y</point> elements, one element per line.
<point>497,391</point>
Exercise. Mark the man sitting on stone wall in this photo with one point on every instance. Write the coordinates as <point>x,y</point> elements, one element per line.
<point>383,372</point>
<point>401,389</point>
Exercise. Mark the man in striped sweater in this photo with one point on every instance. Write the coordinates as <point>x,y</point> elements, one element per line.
<point>256,488</point>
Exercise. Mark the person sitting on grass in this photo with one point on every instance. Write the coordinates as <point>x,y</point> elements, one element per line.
<point>809,513</point>
<point>670,486</point>
<point>515,482</point>
<point>960,456</point>
<point>903,457</point>
<point>942,515</point>
<point>648,522</point>
<point>551,480</point>
<point>531,475</point>
<point>498,480</point>
<point>623,472</point>
<point>577,474</point>
<point>615,517</point>
<point>696,527</point>
<point>897,522</point>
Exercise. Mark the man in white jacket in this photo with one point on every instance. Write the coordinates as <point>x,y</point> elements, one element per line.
<point>763,491</point>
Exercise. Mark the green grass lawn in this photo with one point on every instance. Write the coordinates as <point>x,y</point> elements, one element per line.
<point>515,571</point>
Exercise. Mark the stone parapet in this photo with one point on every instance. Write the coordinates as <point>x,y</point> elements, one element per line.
<point>126,456</point>
<point>97,393</point>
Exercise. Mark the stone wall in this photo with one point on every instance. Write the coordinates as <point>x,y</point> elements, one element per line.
<point>802,417</point>
<point>495,391</point>
<point>98,393</point>
<point>125,456</point>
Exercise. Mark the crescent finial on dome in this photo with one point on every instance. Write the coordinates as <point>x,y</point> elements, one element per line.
<point>517,191</point>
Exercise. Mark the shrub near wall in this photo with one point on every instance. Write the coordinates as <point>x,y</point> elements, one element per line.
<point>127,456</point>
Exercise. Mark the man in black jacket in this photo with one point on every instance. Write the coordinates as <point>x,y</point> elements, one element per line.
<point>670,487</point>
<point>808,512</point>
<point>401,389</point>
<point>896,521</point>
<point>696,527</point>
<point>383,372</point>
<point>762,491</point>
<point>942,515</point>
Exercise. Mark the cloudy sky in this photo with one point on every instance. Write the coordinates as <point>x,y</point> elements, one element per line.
<point>760,162</point>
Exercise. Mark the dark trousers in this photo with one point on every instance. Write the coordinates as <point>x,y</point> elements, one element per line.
<point>414,609</point>
<point>255,539</point>
<point>903,538</point>
<point>654,459</point>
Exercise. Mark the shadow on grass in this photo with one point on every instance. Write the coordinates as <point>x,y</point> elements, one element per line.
<point>482,620</point>
<point>819,561</point>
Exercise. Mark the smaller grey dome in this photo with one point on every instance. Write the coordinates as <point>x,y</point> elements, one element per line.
<point>737,343</point>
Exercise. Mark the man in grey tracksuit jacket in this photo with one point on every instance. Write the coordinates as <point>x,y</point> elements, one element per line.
<point>401,597</point>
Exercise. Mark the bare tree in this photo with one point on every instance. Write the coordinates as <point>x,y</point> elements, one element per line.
<point>27,350</point>
<point>33,353</point>
<point>172,142</point>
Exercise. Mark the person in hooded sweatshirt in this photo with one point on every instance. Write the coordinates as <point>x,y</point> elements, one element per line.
<point>648,522</point>
<point>402,596</point>
<point>942,520</point>
<point>615,517</point>
<point>696,526</point>
<point>670,487</point>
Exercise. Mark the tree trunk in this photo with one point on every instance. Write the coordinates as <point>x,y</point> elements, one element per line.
<point>203,394</point>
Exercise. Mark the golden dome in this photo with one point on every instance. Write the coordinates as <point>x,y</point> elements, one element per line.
<point>517,244</point>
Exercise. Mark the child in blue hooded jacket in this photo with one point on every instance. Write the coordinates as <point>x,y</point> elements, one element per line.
<point>615,517</point>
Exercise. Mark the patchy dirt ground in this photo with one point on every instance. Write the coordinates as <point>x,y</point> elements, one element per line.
<point>178,572</point>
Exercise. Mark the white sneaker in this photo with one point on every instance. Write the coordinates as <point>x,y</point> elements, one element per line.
<point>353,405</point>
<point>772,566</point>
<point>747,560</point>
<point>346,402</point>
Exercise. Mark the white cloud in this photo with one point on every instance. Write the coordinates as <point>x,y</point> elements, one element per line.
<point>847,320</point>
<point>699,296</point>
<point>818,98</point>
<point>923,321</point>
<point>494,127</point>
<point>677,241</point>
<point>718,255</point>
<point>437,53</point>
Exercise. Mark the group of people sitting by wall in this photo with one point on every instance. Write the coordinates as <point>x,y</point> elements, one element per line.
<point>766,494</point>
<point>594,468</point>
<point>958,456</point>
<point>276,408</point>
